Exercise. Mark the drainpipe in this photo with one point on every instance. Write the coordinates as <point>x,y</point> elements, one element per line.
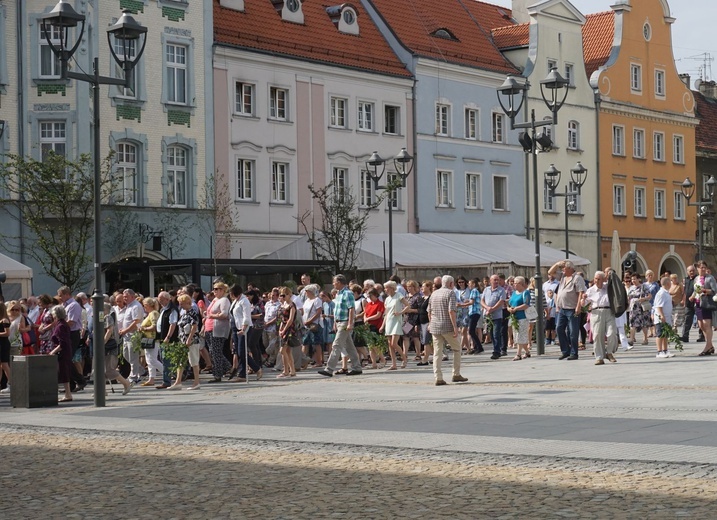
<point>598,100</point>
<point>20,41</point>
<point>414,138</point>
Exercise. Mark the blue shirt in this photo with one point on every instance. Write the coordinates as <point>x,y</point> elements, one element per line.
<point>491,297</point>
<point>475,296</point>
<point>343,303</point>
<point>516,300</point>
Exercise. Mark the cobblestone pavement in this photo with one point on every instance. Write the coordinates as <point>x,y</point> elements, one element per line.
<point>85,475</point>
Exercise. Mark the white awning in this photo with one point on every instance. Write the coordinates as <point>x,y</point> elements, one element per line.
<point>14,269</point>
<point>440,250</point>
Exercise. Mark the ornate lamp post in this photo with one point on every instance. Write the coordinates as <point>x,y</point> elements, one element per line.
<point>554,91</point>
<point>403,163</point>
<point>128,33</point>
<point>578,176</point>
<point>688,191</point>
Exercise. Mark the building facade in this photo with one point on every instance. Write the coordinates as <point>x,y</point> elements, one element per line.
<point>157,128</point>
<point>646,135</point>
<point>706,140</point>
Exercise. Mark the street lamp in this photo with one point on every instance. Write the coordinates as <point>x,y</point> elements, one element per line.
<point>127,32</point>
<point>403,163</point>
<point>513,86</point>
<point>688,191</point>
<point>578,176</point>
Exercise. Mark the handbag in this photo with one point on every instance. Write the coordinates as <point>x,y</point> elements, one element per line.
<point>147,343</point>
<point>314,327</point>
<point>707,303</point>
<point>531,313</point>
<point>646,306</point>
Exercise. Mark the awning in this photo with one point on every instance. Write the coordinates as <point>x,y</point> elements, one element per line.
<point>441,250</point>
<point>14,269</point>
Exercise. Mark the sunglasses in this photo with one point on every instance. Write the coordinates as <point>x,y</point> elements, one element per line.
<point>219,288</point>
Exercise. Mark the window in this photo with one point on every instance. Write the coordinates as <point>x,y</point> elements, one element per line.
<point>574,205</point>
<point>618,140</point>
<point>443,189</point>
<point>395,198</point>
<point>640,201</point>
<point>176,176</point>
<point>244,102</point>
<point>279,182</point>
<point>126,174</point>
<point>119,48</point>
<point>442,123</point>
<point>635,77</point>
<point>500,193</point>
<point>678,149</point>
<point>659,203</point>
<point>658,146</point>
<point>471,123</point>
<point>49,64</point>
<point>392,120</point>
<point>338,112</point>
<point>245,180</point>
<point>573,135</point>
<point>570,74</point>
<point>277,103</point>
<point>679,206</point>
<point>660,83</point>
<point>552,64</point>
<point>339,179</point>
<point>365,116</point>
<point>548,199</point>
<point>52,138</point>
<point>473,198</point>
<point>497,127</point>
<point>618,199</point>
<point>638,143</point>
<point>366,190</point>
<point>176,59</point>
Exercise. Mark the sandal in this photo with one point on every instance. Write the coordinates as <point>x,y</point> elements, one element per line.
<point>517,358</point>
<point>393,368</point>
<point>526,355</point>
<point>404,364</point>
<point>65,400</point>
<point>341,371</point>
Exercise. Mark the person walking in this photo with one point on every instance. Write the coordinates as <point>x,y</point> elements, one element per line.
<point>689,289</point>
<point>568,298</point>
<point>602,319</point>
<point>662,317</point>
<point>444,328</point>
<point>343,325</point>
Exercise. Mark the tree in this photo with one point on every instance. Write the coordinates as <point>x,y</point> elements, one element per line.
<point>54,199</point>
<point>338,236</point>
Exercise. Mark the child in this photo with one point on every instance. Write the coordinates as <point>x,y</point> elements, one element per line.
<point>549,317</point>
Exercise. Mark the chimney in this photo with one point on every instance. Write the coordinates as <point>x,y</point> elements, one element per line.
<point>685,79</point>
<point>708,89</point>
<point>520,10</point>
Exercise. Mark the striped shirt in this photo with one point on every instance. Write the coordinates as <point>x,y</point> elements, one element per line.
<point>440,306</point>
<point>343,303</point>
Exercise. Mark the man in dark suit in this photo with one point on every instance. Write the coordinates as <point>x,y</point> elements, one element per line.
<point>689,284</point>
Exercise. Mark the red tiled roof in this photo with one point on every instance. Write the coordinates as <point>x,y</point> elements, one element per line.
<point>512,36</point>
<point>598,35</point>
<point>706,112</point>
<point>470,21</point>
<point>261,28</point>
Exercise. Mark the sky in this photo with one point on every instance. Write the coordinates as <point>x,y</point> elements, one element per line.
<point>690,33</point>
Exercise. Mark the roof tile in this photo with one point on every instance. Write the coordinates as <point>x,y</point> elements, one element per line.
<point>706,133</point>
<point>598,35</point>
<point>512,36</point>
<point>261,28</point>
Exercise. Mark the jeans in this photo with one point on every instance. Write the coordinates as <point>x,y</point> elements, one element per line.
<point>472,324</point>
<point>689,318</point>
<point>240,341</point>
<point>568,323</point>
<point>498,344</point>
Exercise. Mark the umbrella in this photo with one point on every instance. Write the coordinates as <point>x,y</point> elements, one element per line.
<point>615,253</point>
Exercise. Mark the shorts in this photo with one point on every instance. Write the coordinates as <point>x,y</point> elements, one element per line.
<point>703,315</point>
<point>659,327</point>
<point>5,352</point>
<point>550,324</point>
<point>78,356</point>
<point>194,349</point>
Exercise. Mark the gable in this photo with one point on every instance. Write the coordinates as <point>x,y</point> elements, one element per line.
<point>561,9</point>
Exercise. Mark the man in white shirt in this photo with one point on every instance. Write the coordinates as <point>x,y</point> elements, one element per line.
<point>128,323</point>
<point>602,320</point>
<point>662,317</point>
<point>241,313</point>
<point>270,336</point>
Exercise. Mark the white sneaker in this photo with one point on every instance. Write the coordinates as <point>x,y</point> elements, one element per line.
<point>669,354</point>
<point>661,355</point>
<point>5,390</point>
<point>175,387</point>
<point>195,387</point>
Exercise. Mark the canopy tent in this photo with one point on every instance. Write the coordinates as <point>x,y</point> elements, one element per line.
<point>425,251</point>
<point>19,278</point>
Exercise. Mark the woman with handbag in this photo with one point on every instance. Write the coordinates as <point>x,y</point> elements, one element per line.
<point>518,303</point>
<point>639,304</point>
<point>217,329</point>
<point>148,329</point>
<point>704,292</point>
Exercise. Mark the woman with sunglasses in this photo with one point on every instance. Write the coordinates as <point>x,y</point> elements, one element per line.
<point>217,329</point>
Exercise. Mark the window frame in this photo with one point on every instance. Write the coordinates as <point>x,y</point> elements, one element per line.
<point>618,140</point>
<point>42,45</point>
<point>274,90</point>
<point>636,78</point>
<point>177,169</point>
<point>366,190</point>
<point>678,149</point>
<point>240,105</point>
<point>124,165</point>
<point>573,135</point>
<point>471,121</point>
<point>396,119</point>
<point>658,151</point>
<point>635,133</point>
<point>443,119</point>
<point>393,177</point>
<point>365,116</point>
<point>639,206</point>
<point>576,199</point>
<point>279,178</point>
<point>619,207</point>
<point>660,203</point>
<point>336,112</point>
<point>444,189</point>
<point>660,85</point>
<point>504,180</point>
<point>497,127</point>
<point>549,200</point>
<point>570,74</point>
<point>473,191</point>
<point>53,140</point>
<point>340,182</point>
<point>242,193</point>
<point>188,43</point>
<point>177,66</point>
<point>679,206</point>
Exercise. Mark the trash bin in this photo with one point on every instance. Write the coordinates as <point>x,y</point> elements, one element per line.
<point>34,381</point>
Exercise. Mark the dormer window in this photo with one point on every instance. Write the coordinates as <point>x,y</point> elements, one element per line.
<point>290,10</point>
<point>445,34</point>
<point>345,18</point>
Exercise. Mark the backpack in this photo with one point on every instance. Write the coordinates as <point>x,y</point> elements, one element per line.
<point>617,294</point>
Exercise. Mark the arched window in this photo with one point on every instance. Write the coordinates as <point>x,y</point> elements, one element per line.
<point>176,176</point>
<point>573,135</point>
<point>126,187</point>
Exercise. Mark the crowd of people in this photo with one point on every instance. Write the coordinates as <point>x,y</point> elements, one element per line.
<point>232,333</point>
